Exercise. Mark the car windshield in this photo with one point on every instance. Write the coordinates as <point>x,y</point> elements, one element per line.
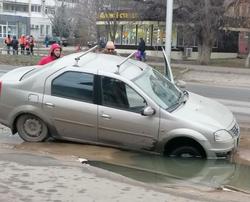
<point>159,88</point>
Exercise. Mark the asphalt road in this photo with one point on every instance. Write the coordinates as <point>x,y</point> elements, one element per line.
<point>237,99</point>
<point>221,92</point>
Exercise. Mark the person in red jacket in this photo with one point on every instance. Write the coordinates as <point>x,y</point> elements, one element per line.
<point>54,53</point>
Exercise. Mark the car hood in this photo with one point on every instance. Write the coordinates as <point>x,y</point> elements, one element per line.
<point>205,111</point>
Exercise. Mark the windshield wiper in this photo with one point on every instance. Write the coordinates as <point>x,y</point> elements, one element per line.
<point>176,104</point>
<point>182,99</point>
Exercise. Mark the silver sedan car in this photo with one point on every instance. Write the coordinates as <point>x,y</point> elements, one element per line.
<point>113,101</point>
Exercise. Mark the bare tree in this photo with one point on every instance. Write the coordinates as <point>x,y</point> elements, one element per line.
<point>200,19</point>
<point>205,17</point>
<point>111,13</point>
<point>108,10</point>
<point>84,22</point>
<point>61,20</point>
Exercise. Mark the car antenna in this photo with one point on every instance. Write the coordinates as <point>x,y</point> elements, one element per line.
<point>86,52</point>
<point>119,65</point>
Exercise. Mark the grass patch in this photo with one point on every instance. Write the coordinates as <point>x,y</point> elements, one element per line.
<point>27,60</point>
<point>19,60</point>
<point>233,62</point>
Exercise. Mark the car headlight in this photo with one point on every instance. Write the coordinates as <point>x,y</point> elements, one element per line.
<point>222,135</point>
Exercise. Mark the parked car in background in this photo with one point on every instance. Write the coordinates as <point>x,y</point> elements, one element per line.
<point>60,40</point>
<point>91,44</point>
<point>114,101</point>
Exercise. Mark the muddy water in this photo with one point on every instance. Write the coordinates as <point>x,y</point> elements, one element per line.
<point>148,168</point>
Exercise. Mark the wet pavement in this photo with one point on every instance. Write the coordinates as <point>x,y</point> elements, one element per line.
<point>40,178</point>
<point>50,171</point>
<point>28,171</point>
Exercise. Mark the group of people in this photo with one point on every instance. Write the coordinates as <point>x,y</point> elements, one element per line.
<point>56,50</point>
<point>26,44</point>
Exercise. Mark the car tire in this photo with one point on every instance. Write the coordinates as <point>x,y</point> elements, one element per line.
<point>186,152</point>
<point>31,128</point>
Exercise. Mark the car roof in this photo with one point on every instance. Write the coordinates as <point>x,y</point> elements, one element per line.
<point>98,62</point>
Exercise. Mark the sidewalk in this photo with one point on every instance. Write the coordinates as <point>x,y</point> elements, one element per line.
<point>213,75</point>
<point>209,74</point>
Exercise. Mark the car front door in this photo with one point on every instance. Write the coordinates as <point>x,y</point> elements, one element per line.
<point>69,102</point>
<point>120,119</point>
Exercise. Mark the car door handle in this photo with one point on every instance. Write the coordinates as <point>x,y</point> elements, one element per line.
<point>105,116</point>
<point>48,104</point>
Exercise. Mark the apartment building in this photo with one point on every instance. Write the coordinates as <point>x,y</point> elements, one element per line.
<point>239,20</point>
<point>29,17</point>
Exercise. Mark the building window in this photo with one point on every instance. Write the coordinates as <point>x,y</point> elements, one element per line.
<point>36,8</point>
<point>47,29</point>
<point>50,10</point>
<point>10,7</point>
<point>8,29</point>
<point>186,38</point>
<point>70,1</point>
<point>22,28</point>
<point>12,30</point>
<point>144,31</point>
<point>3,31</point>
<point>42,30</point>
<point>129,34</point>
<point>118,35</point>
<point>158,35</point>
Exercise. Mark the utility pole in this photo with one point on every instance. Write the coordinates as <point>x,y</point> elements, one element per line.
<point>168,33</point>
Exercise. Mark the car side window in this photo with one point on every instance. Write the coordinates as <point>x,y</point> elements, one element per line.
<point>74,85</point>
<point>117,94</point>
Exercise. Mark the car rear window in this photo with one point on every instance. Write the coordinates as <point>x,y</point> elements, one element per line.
<point>74,85</point>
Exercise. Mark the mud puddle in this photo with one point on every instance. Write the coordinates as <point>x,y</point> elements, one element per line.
<point>149,168</point>
<point>217,174</point>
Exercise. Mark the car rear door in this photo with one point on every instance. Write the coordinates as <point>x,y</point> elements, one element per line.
<point>69,100</point>
<point>120,118</point>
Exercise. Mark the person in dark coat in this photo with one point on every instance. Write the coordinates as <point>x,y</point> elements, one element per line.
<point>142,48</point>
<point>46,41</point>
<point>15,45</point>
<point>8,42</point>
<point>32,44</point>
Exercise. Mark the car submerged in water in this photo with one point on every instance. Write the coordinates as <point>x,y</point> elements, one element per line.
<point>114,101</point>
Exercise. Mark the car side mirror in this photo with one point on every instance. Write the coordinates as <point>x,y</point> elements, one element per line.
<point>148,111</point>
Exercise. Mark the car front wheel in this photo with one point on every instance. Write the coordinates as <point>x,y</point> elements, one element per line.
<point>31,128</point>
<point>186,152</point>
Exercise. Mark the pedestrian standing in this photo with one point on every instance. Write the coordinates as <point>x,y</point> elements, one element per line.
<point>22,42</point>
<point>110,48</point>
<point>46,41</point>
<point>27,45</point>
<point>54,54</point>
<point>8,42</point>
<point>15,45</point>
<point>142,48</point>
<point>32,44</point>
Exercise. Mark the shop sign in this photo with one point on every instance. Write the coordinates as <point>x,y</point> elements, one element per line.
<point>117,15</point>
